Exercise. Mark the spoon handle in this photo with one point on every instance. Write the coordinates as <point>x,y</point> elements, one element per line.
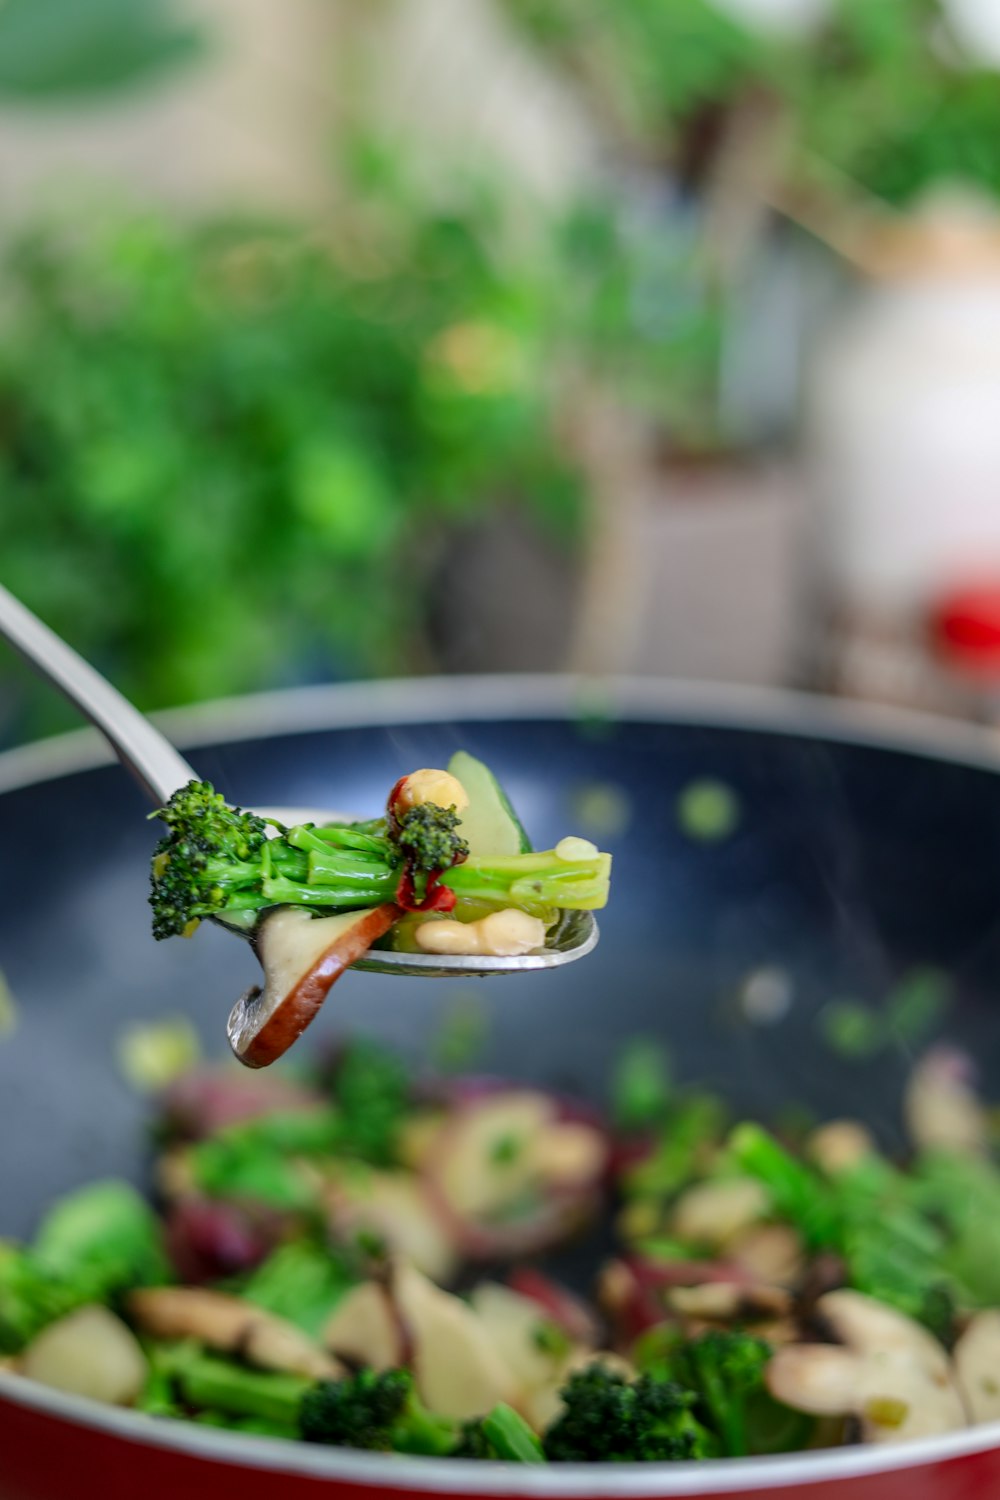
<point>139,745</point>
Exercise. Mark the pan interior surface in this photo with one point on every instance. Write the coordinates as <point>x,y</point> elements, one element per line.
<point>842,867</point>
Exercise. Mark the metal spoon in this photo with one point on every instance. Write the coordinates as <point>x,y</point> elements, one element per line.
<point>160,770</point>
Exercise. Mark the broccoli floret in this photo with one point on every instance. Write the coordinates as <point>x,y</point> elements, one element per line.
<point>597,1422</point>
<point>208,846</point>
<point>878,1219</point>
<point>91,1246</point>
<point>798,1193</point>
<point>641,1086</point>
<point>691,1132</point>
<point>370,1091</point>
<point>374,1410</point>
<point>962,1194</point>
<point>217,860</point>
<point>726,1370</point>
<point>472,1441</point>
<point>261,1160</point>
<point>427,836</point>
<point>30,1298</point>
<point>302,1282</point>
<point>104,1238</point>
<point>607,1419</point>
<point>501,1435</point>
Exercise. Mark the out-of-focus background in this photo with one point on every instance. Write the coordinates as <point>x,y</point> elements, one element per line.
<point>343,338</point>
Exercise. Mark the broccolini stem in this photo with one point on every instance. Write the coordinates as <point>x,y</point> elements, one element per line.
<point>216,859</point>
<point>799,1193</point>
<point>341,836</point>
<point>510,1436</point>
<point>215,1385</point>
<point>533,880</point>
<point>333,865</point>
<point>282,892</point>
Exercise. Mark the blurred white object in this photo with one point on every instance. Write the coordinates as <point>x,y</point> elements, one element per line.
<point>904,432</point>
<point>976,23</point>
<point>903,437</point>
<point>457,76</point>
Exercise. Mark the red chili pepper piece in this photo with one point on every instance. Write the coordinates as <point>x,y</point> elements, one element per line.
<point>437,897</point>
<point>390,806</point>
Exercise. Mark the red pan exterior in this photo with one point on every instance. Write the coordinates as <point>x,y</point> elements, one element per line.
<point>42,1458</point>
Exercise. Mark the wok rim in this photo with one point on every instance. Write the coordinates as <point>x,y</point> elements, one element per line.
<point>526,697</point>
<point>529,696</point>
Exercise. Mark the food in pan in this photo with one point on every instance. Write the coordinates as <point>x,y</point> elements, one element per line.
<point>448,869</point>
<point>353,1257</point>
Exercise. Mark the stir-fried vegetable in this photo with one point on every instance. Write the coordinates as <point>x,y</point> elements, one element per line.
<point>770,1292</point>
<point>318,896</point>
<point>607,1418</point>
<point>218,860</point>
<point>374,1410</point>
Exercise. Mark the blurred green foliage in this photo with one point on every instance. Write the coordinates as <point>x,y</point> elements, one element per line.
<point>637,306</point>
<point>879,91</point>
<point>228,455</point>
<point>650,68</point>
<point>69,49</point>
<point>887,98</point>
<point>232,455</point>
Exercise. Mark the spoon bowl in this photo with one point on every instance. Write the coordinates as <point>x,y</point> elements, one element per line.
<point>161,771</point>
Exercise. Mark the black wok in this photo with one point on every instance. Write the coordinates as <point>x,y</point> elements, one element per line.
<point>864,847</point>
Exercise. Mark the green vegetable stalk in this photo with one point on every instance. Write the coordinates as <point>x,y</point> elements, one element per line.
<point>217,860</point>
<point>501,1435</point>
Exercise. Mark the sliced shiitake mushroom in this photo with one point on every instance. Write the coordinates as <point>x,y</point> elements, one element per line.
<point>458,1371</point>
<point>888,1371</point>
<point>769,1253</point>
<point>511,1149</point>
<point>395,1207</point>
<point>516,1326</point>
<point>365,1329</point>
<point>711,1213</point>
<point>231,1326</point>
<point>302,957</point>
<point>727,1302</point>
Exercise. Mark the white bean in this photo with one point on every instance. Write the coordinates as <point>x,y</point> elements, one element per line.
<point>502,934</point>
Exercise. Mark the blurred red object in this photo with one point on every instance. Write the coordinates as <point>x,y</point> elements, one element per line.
<point>965,628</point>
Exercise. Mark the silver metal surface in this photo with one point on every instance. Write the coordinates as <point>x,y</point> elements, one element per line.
<point>161,770</point>
<point>139,745</point>
<point>442,700</point>
<point>575,936</point>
